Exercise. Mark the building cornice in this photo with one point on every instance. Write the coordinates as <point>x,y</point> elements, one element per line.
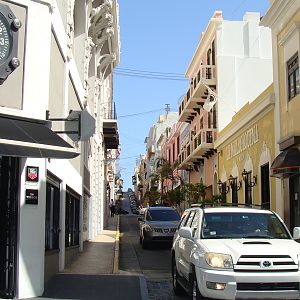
<point>290,32</point>
<point>277,13</point>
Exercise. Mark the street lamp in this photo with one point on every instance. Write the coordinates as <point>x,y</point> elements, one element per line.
<point>234,184</point>
<point>247,178</point>
<point>223,188</point>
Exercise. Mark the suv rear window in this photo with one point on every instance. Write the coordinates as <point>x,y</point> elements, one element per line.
<point>242,225</point>
<point>162,215</point>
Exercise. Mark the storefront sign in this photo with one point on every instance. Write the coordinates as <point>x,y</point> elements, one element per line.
<point>243,142</point>
<point>31,196</point>
<point>32,174</point>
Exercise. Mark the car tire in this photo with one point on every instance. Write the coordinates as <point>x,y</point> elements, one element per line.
<point>145,244</point>
<point>194,289</point>
<point>177,288</point>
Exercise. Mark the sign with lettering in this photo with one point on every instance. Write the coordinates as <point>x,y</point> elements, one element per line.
<point>31,196</point>
<point>243,142</point>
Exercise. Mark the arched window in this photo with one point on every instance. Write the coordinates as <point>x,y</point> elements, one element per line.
<point>213,54</point>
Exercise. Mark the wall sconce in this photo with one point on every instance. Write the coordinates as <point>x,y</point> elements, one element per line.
<point>220,186</point>
<point>248,180</point>
<point>234,184</point>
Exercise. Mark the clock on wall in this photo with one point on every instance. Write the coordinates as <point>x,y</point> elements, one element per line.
<point>9,27</point>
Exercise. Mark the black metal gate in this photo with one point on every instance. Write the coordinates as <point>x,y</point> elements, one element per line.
<point>9,182</point>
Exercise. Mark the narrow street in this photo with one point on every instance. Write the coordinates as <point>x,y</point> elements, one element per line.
<point>153,263</point>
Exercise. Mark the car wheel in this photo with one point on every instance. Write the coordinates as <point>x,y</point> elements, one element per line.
<point>144,243</point>
<point>194,289</point>
<point>178,289</point>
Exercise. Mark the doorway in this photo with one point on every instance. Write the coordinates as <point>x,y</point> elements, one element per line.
<point>9,188</point>
<point>294,183</point>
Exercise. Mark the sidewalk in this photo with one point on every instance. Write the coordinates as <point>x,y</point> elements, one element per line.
<point>94,274</point>
<point>99,256</point>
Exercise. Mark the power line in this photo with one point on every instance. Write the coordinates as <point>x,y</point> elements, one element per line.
<point>128,74</point>
<point>141,113</point>
<point>149,72</point>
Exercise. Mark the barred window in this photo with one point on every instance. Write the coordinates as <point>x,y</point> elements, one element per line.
<point>293,76</point>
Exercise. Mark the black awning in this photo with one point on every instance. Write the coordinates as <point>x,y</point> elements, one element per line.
<point>286,164</point>
<point>32,138</point>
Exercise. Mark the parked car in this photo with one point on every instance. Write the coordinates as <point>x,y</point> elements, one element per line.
<point>158,224</point>
<point>233,253</point>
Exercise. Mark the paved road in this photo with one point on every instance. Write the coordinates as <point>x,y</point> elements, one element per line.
<point>153,263</point>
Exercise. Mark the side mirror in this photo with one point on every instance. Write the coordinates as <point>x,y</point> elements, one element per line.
<point>296,233</point>
<point>185,232</point>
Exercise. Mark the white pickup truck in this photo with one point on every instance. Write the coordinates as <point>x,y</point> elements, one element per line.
<point>235,253</point>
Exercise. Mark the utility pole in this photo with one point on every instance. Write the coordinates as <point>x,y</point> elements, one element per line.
<point>167,108</point>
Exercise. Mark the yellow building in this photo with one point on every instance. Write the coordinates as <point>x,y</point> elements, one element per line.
<point>246,149</point>
<point>283,17</point>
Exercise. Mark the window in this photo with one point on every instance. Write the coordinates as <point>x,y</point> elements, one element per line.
<point>183,220</point>
<point>201,123</point>
<point>265,186</point>
<point>162,215</point>
<point>293,76</point>
<point>190,220</point>
<point>213,53</point>
<point>230,225</point>
<point>173,152</point>
<point>72,219</point>
<point>194,225</point>
<point>52,228</point>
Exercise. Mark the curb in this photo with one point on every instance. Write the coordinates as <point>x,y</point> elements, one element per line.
<point>117,248</point>
<point>143,288</point>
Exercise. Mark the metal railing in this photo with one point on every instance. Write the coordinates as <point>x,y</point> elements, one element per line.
<point>205,72</point>
<point>109,113</point>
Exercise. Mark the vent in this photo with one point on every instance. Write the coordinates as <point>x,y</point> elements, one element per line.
<point>268,286</point>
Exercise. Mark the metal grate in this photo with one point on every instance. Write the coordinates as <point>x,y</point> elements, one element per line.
<point>266,263</point>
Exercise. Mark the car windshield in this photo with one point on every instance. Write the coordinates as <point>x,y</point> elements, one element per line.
<point>230,225</point>
<point>162,215</point>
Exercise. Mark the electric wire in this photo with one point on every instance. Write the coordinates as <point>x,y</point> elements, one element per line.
<point>141,113</point>
<point>149,72</point>
<point>149,76</point>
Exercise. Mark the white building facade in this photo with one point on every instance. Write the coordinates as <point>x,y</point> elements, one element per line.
<point>53,170</point>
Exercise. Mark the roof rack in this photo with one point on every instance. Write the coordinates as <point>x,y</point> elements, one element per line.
<point>203,205</point>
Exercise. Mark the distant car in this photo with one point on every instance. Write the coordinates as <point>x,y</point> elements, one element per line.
<point>158,224</point>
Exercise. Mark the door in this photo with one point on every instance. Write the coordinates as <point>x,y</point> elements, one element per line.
<point>9,187</point>
<point>295,201</point>
<point>185,249</point>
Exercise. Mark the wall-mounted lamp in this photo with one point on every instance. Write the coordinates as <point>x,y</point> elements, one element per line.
<point>223,188</point>
<point>234,183</point>
<point>247,178</point>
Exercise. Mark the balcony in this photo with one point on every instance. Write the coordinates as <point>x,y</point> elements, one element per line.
<point>194,98</point>
<point>199,146</point>
<point>110,128</point>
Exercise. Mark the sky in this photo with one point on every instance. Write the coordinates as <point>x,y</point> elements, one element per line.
<point>159,36</point>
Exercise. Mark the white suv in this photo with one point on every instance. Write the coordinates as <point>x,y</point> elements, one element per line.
<point>235,253</point>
